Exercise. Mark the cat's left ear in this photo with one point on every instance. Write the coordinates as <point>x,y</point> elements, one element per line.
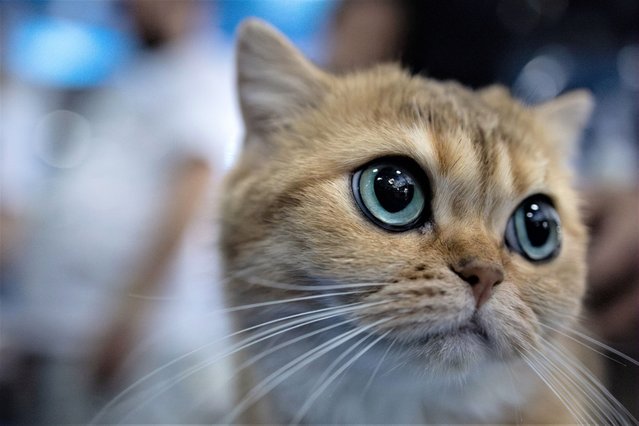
<point>275,80</point>
<point>567,115</point>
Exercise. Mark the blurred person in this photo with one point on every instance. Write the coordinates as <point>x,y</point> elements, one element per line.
<point>614,252</point>
<point>118,273</point>
<point>366,33</point>
<point>22,176</point>
<point>613,298</point>
<point>580,44</point>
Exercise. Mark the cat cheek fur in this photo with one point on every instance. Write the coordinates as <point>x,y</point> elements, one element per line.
<point>412,271</point>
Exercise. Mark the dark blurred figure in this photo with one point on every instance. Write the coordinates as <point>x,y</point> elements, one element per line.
<point>366,32</point>
<point>476,43</point>
<point>158,27</point>
<point>460,40</point>
<point>539,48</point>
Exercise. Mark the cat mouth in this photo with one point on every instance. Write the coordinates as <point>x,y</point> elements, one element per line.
<point>471,328</point>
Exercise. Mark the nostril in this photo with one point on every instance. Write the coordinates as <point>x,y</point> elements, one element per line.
<point>472,280</point>
<point>482,277</point>
<point>487,275</point>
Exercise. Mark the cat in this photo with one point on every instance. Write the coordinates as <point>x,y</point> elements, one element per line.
<point>402,250</point>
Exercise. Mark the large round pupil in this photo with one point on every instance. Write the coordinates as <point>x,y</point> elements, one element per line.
<point>393,188</point>
<point>537,225</point>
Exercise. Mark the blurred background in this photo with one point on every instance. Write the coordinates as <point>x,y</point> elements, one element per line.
<point>118,119</point>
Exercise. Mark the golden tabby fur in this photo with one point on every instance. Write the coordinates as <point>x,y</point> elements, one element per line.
<point>296,244</point>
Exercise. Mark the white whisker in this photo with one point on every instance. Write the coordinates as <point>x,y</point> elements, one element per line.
<point>152,298</point>
<point>593,385</point>
<point>309,402</point>
<point>594,342</point>
<point>288,343</point>
<point>305,315</point>
<point>599,403</point>
<point>281,301</point>
<point>551,366</point>
<point>234,349</point>
<point>552,388</point>
<point>320,287</point>
<point>379,365</point>
<point>513,381</point>
<point>331,367</point>
<point>250,341</point>
<point>291,368</point>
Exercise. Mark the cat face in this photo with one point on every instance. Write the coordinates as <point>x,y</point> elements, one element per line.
<point>445,216</point>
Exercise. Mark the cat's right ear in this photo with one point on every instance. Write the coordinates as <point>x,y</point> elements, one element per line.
<point>274,80</point>
<point>567,115</point>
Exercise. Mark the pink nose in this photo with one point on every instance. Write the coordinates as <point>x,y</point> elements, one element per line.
<point>482,277</point>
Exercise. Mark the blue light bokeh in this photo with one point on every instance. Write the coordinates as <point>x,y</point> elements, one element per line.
<point>56,52</point>
<point>295,18</point>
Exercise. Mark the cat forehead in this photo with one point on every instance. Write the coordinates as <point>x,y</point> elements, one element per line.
<point>389,92</point>
<point>387,100</point>
<point>452,132</point>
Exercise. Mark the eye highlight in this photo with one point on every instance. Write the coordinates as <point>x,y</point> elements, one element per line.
<point>392,192</point>
<point>534,230</point>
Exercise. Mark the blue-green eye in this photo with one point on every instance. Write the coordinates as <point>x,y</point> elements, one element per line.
<point>534,230</point>
<point>390,193</point>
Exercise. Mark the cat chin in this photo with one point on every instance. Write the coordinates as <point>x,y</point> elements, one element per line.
<point>459,352</point>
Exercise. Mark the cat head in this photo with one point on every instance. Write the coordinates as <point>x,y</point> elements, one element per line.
<point>444,217</point>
